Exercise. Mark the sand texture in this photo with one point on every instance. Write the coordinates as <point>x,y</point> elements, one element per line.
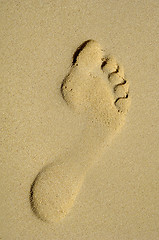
<point>78,161</point>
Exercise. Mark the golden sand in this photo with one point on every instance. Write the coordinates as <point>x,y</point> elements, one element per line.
<point>119,196</point>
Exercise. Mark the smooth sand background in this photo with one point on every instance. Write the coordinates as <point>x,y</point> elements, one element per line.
<point>120,196</point>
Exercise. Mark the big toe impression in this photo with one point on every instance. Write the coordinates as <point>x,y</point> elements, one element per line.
<point>88,55</point>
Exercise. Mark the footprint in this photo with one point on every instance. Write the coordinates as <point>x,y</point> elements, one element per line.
<point>95,87</point>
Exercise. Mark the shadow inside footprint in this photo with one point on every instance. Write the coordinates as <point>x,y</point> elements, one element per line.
<point>79,49</point>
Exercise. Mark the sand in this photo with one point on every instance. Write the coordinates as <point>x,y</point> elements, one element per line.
<point>118,198</point>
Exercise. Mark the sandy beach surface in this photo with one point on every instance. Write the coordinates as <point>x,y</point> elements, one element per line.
<point>119,197</point>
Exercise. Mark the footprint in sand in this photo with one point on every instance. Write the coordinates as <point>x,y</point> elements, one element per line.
<point>96,88</point>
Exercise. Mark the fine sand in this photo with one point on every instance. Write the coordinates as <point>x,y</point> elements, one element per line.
<point>78,161</point>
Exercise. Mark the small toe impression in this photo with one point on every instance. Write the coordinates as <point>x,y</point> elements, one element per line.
<point>88,55</point>
<point>109,65</point>
<point>123,104</point>
<point>115,79</point>
<point>121,90</point>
